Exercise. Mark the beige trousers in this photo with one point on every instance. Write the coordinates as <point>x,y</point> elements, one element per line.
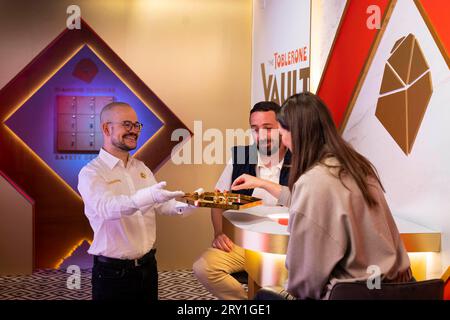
<point>213,270</point>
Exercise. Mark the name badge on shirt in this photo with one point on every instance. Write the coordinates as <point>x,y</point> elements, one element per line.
<point>114,181</point>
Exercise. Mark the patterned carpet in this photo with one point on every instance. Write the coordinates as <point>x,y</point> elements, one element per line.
<point>52,285</point>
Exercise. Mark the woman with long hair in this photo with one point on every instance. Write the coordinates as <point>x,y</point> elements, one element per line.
<point>339,222</point>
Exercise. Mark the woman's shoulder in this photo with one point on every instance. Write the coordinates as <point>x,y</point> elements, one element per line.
<point>322,176</point>
<point>326,169</point>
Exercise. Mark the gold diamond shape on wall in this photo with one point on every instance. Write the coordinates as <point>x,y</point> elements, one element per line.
<point>405,92</point>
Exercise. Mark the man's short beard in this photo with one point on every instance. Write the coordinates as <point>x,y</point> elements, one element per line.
<point>274,148</point>
<point>122,146</point>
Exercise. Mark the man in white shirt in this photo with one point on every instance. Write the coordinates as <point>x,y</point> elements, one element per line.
<point>269,160</point>
<point>121,197</point>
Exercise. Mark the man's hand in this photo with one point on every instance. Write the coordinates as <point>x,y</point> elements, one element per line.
<point>222,242</point>
<point>246,181</point>
<point>160,195</point>
<point>154,194</point>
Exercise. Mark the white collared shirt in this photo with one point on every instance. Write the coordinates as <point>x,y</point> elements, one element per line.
<point>267,173</point>
<point>120,215</point>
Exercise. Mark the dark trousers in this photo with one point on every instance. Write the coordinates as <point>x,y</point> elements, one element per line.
<point>114,280</point>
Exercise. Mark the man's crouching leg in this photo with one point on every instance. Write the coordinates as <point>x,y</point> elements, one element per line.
<point>213,270</point>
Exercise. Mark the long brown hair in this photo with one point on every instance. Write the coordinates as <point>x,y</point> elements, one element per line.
<point>315,137</point>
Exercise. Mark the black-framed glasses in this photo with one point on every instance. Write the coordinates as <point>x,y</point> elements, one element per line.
<point>128,125</point>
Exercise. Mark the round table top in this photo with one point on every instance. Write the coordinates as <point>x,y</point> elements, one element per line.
<point>264,229</point>
<point>263,219</point>
<point>261,228</point>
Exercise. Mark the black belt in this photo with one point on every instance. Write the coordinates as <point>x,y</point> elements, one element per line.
<point>122,263</point>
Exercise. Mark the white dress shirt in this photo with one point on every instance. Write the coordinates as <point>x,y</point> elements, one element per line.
<point>117,206</point>
<point>267,173</point>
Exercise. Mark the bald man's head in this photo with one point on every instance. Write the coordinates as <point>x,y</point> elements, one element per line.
<point>118,121</point>
<point>108,111</point>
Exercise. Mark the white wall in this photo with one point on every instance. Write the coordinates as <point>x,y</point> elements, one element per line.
<point>280,27</point>
<point>325,18</point>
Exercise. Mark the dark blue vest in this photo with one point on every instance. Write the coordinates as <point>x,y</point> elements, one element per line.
<point>245,159</point>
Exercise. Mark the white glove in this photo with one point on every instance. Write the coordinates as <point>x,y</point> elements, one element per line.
<point>154,194</point>
<point>160,195</point>
<point>184,209</point>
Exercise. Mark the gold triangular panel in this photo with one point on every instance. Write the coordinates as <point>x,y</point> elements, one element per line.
<point>401,58</point>
<point>418,65</point>
<point>391,111</point>
<point>397,43</point>
<point>419,95</point>
<point>390,80</point>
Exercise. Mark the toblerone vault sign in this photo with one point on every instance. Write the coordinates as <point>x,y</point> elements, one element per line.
<point>281,49</point>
